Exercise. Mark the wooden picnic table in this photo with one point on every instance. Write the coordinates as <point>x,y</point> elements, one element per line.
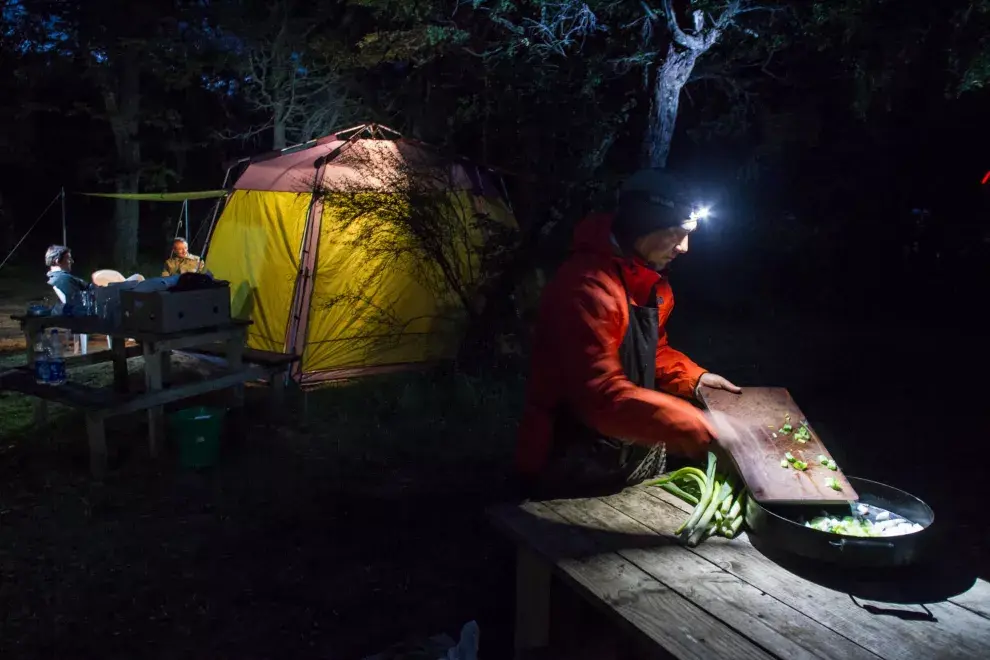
<point>99,403</point>
<point>721,599</point>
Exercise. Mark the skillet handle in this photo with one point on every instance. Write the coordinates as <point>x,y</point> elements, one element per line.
<point>860,544</point>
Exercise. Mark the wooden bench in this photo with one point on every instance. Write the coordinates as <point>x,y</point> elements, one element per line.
<point>100,403</point>
<point>722,599</point>
<point>276,365</point>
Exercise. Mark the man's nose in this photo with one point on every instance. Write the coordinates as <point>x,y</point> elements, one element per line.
<point>682,247</point>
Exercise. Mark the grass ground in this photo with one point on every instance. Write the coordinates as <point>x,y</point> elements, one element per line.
<point>360,523</point>
<point>351,525</point>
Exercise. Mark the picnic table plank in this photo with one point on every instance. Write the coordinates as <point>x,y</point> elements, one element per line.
<point>775,626</point>
<point>72,393</point>
<point>975,600</point>
<point>625,592</point>
<point>257,356</point>
<point>109,403</point>
<point>957,633</point>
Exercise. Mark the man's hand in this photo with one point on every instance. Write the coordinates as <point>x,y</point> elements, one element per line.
<point>717,382</point>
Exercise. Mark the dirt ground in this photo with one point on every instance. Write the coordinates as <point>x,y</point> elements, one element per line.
<point>338,532</point>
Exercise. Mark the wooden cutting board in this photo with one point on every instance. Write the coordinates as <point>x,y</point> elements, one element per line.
<point>763,411</point>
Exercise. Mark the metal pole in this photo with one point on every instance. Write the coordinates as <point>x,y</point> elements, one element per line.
<point>65,236</point>
<point>185,212</point>
<point>213,220</point>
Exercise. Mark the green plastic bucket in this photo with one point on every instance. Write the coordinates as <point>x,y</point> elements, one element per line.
<point>196,431</point>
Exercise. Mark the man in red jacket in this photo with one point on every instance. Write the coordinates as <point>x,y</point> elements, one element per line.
<point>607,395</point>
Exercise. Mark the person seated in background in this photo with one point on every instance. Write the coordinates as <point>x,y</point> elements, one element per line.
<point>181,261</point>
<point>67,287</point>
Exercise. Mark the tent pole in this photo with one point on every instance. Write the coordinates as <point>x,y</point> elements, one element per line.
<point>65,236</point>
<point>185,212</point>
<point>216,210</point>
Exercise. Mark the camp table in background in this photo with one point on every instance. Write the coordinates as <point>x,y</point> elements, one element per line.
<point>101,403</point>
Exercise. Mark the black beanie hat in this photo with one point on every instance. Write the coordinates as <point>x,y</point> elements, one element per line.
<point>650,200</point>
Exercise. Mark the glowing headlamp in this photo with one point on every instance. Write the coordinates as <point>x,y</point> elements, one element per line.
<point>700,213</point>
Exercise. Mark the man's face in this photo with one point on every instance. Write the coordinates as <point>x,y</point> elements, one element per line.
<point>661,247</point>
<point>65,263</point>
<point>181,249</point>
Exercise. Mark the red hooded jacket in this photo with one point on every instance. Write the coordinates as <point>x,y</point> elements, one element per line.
<point>582,320</point>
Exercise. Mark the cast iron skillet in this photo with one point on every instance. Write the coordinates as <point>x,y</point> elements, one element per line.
<point>777,526</point>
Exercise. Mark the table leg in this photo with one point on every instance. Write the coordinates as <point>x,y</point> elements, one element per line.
<point>119,350</point>
<point>96,432</point>
<point>153,381</point>
<point>277,383</point>
<point>166,358</point>
<point>40,412</point>
<point>235,362</point>
<point>29,343</point>
<point>532,603</point>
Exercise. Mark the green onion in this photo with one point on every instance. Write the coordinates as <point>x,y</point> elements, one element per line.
<point>701,525</point>
<point>706,496</point>
<point>677,491</point>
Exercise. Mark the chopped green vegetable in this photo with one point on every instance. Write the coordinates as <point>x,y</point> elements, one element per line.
<point>828,462</point>
<point>790,457</point>
<point>786,428</point>
<point>865,521</point>
<point>833,483</point>
<point>800,465</point>
<point>803,434</point>
<point>784,463</point>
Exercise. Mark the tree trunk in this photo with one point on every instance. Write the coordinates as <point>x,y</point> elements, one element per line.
<point>127,216</point>
<point>671,77</point>
<point>123,103</point>
<point>278,129</point>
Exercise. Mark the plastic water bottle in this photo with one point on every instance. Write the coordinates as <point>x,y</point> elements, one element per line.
<point>87,303</point>
<point>56,360</point>
<point>42,373</point>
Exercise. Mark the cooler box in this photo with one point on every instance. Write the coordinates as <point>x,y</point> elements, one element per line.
<point>175,311</point>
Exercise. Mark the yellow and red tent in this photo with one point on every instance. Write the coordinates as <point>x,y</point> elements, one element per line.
<point>313,285</point>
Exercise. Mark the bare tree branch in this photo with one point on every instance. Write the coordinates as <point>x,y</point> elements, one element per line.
<point>300,91</point>
<point>677,34</point>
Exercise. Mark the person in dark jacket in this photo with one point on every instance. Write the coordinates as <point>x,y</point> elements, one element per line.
<point>67,287</point>
<point>608,395</point>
